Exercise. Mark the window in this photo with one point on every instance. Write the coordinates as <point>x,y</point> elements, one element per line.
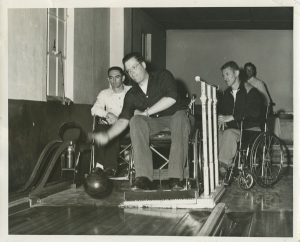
<point>60,51</point>
<point>146,46</point>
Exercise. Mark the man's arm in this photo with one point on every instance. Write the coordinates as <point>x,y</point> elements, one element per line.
<point>222,118</point>
<point>163,104</point>
<point>102,138</point>
<point>99,106</point>
<point>169,87</point>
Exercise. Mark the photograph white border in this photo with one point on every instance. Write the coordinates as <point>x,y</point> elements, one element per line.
<point>6,4</point>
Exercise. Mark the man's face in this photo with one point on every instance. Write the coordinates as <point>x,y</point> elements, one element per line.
<point>115,79</point>
<point>230,76</point>
<point>249,71</point>
<point>136,70</point>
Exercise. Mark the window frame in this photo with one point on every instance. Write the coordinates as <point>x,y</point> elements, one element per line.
<point>64,57</point>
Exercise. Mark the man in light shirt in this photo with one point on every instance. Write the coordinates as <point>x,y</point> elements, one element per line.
<point>250,71</point>
<point>108,107</point>
<point>273,122</point>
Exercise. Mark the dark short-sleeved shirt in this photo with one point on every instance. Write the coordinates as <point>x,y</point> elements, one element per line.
<point>160,84</point>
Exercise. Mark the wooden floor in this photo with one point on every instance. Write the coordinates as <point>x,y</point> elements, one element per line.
<point>257,213</point>
<point>272,207</point>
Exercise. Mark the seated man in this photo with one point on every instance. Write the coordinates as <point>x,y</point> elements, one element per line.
<point>108,106</point>
<point>150,106</point>
<point>240,101</point>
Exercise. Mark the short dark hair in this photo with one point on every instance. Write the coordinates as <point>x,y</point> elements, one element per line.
<point>252,66</point>
<point>232,64</point>
<point>116,68</point>
<point>136,55</point>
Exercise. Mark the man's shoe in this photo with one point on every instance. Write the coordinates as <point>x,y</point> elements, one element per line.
<point>175,184</point>
<point>142,183</point>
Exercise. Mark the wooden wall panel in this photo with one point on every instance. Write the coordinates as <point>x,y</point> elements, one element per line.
<point>91,53</point>
<point>32,125</point>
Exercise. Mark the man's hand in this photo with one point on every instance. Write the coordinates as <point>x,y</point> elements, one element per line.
<point>221,125</point>
<point>223,119</point>
<point>111,118</point>
<point>100,138</point>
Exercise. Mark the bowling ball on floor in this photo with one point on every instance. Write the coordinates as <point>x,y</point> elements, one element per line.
<point>97,184</point>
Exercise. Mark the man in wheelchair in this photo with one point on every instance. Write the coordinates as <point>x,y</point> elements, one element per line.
<point>106,110</point>
<point>150,106</point>
<point>239,102</point>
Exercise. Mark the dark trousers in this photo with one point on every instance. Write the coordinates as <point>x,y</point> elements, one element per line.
<point>107,155</point>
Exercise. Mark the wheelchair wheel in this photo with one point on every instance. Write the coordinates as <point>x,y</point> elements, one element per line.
<point>267,157</point>
<point>245,180</point>
<point>229,175</point>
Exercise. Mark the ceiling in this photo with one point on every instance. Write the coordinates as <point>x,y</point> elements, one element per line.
<point>223,17</point>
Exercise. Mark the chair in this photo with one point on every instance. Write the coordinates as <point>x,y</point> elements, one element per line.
<point>241,167</point>
<point>260,158</point>
<point>160,145</point>
<point>125,163</point>
<point>159,141</point>
<point>125,157</point>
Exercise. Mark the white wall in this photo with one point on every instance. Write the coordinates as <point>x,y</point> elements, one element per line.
<point>116,36</point>
<point>203,52</point>
<point>27,32</point>
<point>27,51</point>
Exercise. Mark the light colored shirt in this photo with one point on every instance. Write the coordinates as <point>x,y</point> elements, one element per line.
<point>260,86</point>
<point>234,94</point>
<point>109,101</point>
<point>144,87</point>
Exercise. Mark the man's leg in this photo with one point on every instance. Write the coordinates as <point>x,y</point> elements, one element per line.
<point>141,128</point>
<point>228,140</point>
<point>100,150</point>
<point>180,131</point>
<point>142,155</point>
<point>111,154</point>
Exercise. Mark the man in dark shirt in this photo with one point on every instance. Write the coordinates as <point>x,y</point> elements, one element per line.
<point>241,101</point>
<point>150,106</point>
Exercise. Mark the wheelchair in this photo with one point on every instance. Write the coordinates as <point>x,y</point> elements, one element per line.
<point>160,144</point>
<point>124,158</point>
<point>259,160</point>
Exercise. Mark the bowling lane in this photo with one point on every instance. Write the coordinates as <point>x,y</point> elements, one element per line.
<point>89,220</point>
<point>259,212</point>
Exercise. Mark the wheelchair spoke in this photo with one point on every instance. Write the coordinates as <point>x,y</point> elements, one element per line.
<point>266,160</point>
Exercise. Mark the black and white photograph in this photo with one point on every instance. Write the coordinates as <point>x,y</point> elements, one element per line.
<point>169,120</point>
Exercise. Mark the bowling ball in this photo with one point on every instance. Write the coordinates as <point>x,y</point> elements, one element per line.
<point>97,184</point>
